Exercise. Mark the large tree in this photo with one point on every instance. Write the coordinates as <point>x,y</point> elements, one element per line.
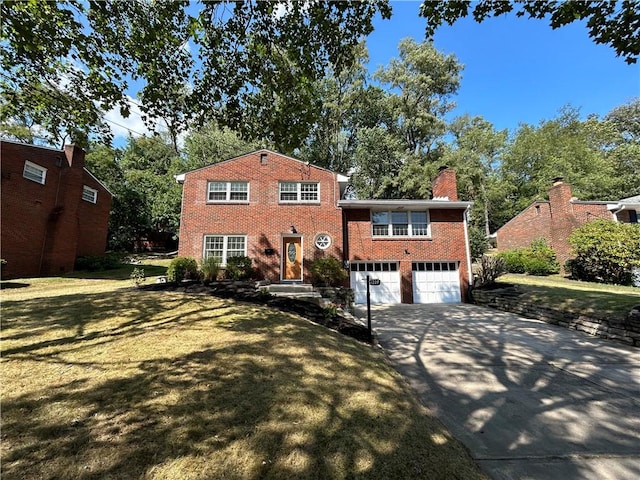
<point>418,86</point>
<point>475,154</point>
<point>146,195</point>
<point>249,65</point>
<point>611,22</point>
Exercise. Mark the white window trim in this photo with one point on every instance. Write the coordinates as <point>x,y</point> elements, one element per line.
<point>227,191</point>
<point>86,188</point>
<point>409,225</point>
<point>225,245</point>
<point>35,166</point>
<point>298,192</point>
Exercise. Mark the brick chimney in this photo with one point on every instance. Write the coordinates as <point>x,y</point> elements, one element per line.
<point>75,156</point>
<point>563,220</point>
<point>445,185</point>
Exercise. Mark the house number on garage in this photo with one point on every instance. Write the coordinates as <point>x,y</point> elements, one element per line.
<point>374,281</point>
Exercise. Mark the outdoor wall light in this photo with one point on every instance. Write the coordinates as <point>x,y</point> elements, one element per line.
<point>293,229</point>
<point>406,252</point>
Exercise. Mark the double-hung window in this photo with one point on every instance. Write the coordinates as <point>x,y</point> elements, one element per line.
<point>224,246</point>
<point>89,194</point>
<point>228,191</point>
<point>299,192</point>
<point>34,172</point>
<point>400,224</point>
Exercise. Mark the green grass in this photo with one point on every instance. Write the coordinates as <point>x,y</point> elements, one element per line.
<point>574,296</point>
<point>101,380</point>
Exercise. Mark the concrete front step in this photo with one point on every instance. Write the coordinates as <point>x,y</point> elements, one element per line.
<point>276,288</point>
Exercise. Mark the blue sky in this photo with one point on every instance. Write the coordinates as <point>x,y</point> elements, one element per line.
<point>517,69</point>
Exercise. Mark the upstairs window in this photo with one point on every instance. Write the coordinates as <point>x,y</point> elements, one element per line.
<point>400,224</point>
<point>299,192</point>
<point>228,192</point>
<point>34,172</point>
<point>89,194</point>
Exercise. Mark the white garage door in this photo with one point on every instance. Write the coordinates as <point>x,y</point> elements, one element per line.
<point>387,272</point>
<point>435,282</point>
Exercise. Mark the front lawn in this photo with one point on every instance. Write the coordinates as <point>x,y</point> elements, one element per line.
<point>579,297</point>
<point>101,380</point>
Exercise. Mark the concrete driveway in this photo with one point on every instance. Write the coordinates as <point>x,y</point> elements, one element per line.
<point>529,400</point>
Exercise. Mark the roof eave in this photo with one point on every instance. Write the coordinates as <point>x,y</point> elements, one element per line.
<point>400,204</point>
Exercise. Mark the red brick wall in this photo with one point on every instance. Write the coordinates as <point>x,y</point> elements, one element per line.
<point>554,221</point>
<point>263,219</point>
<point>447,242</point>
<point>532,223</point>
<point>93,229</point>
<point>40,222</point>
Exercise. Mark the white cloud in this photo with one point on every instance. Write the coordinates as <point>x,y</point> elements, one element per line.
<point>123,127</point>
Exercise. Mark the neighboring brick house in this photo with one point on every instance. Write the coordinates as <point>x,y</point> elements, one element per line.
<point>53,210</point>
<point>284,213</point>
<point>555,219</point>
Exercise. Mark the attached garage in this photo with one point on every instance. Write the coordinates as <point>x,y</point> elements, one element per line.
<point>389,275</point>
<point>436,282</point>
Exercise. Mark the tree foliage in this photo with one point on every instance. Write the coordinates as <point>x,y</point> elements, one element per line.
<point>248,65</point>
<point>146,195</point>
<point>613,23</point>
<point>605,251</point>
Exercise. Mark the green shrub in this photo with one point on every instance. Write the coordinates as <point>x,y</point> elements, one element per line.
<point>210,269</point>
<point>541,259</point>
<point>327,271</point>
<point>94,263</point>
<point>137,276</point>
<point>605,251</point>
<point>239,268</point>
<point>183,268</point>
<point>513,260</point>
<point>538,259</point>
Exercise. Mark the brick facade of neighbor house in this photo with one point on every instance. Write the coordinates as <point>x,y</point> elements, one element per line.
<point>264,224</point>
<point>553,220</point>
<point>263,219</point>
<point>47,225</point>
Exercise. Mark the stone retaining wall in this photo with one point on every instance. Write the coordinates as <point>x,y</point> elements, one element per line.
<point>625,330</point>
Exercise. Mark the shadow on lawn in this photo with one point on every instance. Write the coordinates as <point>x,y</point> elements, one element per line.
<point>282,399</point>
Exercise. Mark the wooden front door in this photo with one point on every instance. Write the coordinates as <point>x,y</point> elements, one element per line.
<point>292,258</point>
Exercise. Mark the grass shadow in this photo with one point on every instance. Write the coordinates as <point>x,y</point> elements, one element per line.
<point>167,385</point>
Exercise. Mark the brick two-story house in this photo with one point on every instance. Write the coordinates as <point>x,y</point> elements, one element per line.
<point>284,213</point>
<point>53,210</point>
<point>555,219</point>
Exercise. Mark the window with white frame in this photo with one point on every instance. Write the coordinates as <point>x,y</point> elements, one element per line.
<point>299,192</point>
<point>400,224</point>
<point>34,172</point>
<point>227,191</point>
<point>89,194</point>
<point>224,246</point>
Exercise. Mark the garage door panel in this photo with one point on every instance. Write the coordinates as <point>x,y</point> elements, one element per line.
<point>389,289</point>
<point>436,282</point>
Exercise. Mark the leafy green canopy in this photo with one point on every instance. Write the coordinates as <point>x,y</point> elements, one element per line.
<point>613,23</point>
<point>249,65</point>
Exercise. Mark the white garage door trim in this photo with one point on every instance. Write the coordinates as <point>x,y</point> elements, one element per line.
<point>436,282</point>
<point>389,275</point>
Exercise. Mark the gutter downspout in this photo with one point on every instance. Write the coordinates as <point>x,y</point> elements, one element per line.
<point>615,214</point>
<point>468,251</point>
